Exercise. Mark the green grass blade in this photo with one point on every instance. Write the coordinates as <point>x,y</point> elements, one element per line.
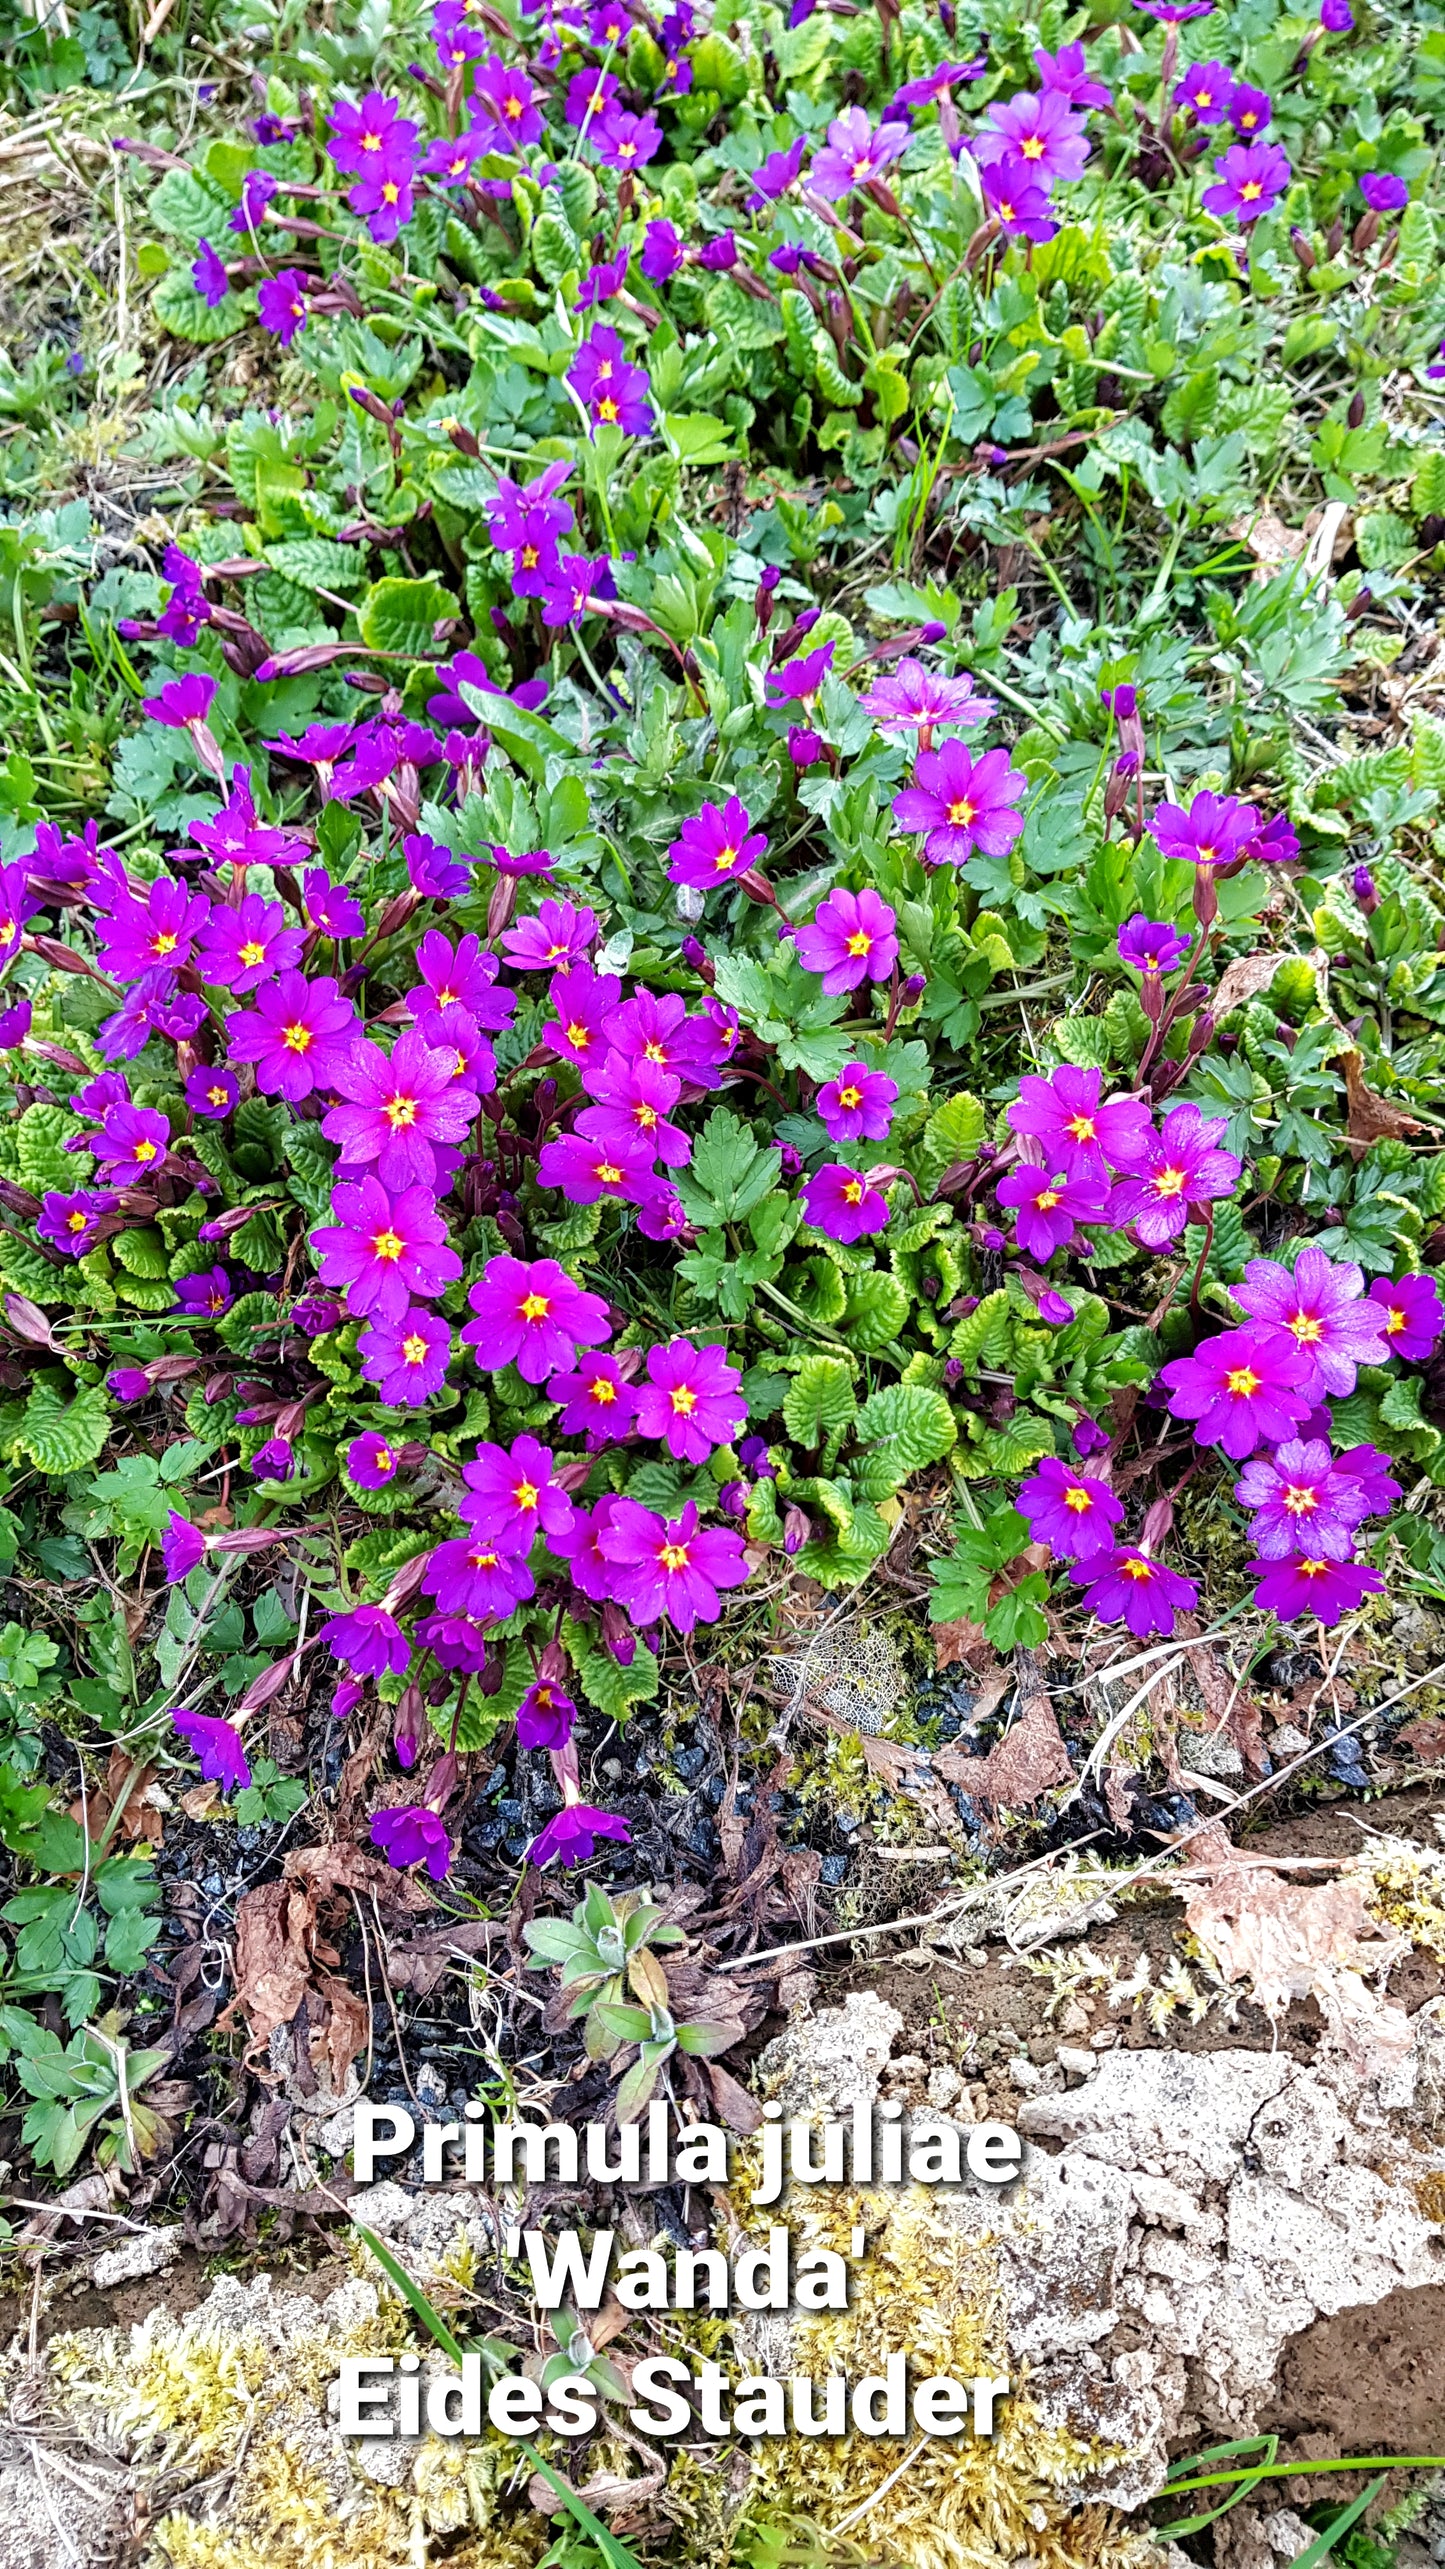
<point>616,2554</point>
<point>1324,2543</point>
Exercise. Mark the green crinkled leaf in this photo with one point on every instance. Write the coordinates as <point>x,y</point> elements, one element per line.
<point>982,1336</point>
<point>954,1131</point>
<point>820,1402</point>
<point>38,1137</point>
<point>32,1273</point>
<point>184,313</point>
<point>316,562</point>
<point>614,1690</point>
<point>876,1308</point>
<point>61,1434</point>
<point>190,207</point>
<point>141,1253</point>
<point>146,1293</point>
<point>911,1424</point>
<point>1004,1453</point>
<point>252,1311</point>
<point>402,615</point>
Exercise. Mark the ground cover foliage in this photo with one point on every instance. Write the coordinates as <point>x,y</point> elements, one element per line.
<point>720,903</point>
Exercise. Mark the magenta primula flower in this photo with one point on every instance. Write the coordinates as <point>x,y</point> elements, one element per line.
<point>411,1834</point>
<point>1413,1315</point>
<point>1321,1310</point>
<point>1215,830</point>
<point>692,1399</point>
<point>530,1314</point>
<point>162,929</point>
<point>854,154</point>
<point>462,976</point>
<point>858,1104</point>
<point>218,1745</point>
<point>397,1107</point>
<point>546,1717</point>
<point>961,803</point>
<point>571,1835</point>
<point>182,702</point>
<point>1172,1173</point>
<point>1250,179</point>
<point>517,504</point>
<point>552,939</point>
<point>844,1204</point>
<point>1039,128</point>
<point>633,1100</point>
<point>613,393</point>
<point>18,905</point>
<point>586,1005</point>
<point>798,681</point>
<point>407,1358</point>
<point>70,1222</point>
<point>1067,73</point>
<point>504,94</point>
<point>1306,1585</point>
<point>1046,1204</point>
<point>281,304</point>
<point>1370,1469</point>
<point>1068,1510</point>
<point>581,1547</point>
<point>609,1165</point>
<point>473,1576</point>
<point>1074,1131</point>
<point>241,948</point>
<point>853,938</point>
<point>1207,90</point>
<point>1250,110</point>
<point>1129,1586</point>
<point>670,1569</point>
<point>1020,202</point>
<point>624,142</point>
<point>372,1461</point>
<point>912,698</point>
<point>715,846</point>
<point>597,1400</point>
<point>213,1093</point>
<point>331,907</point>
<point>1244,1388</point>
<point>364,136</point>
<point>384,1248</point>
<point>205,1296</point>
<point>297,1034</point>
<point>454,1642</point>
<point>513,1496</point>
<point>1151,947</point>
<point>367,1640</point>
<point>1301,1501</point>
<point>131,1138</point>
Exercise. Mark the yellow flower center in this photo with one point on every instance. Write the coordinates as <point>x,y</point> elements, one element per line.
<point>1305,1328</point>
<point>297,1038</point>
<point>602,1392</point>
<point>1250,190</point>
<point>145,1152</point>
<point>386,1245</point>
<point>1081,1127</point>
<point>525,1494</point>
<point>607,408</point>
<point>1394,1320</point>
<point>579,1038</point>
<point>1169,1182</point>
<point>850,1097</point>
<point>853,1191</point>
<point>400,1112</point>
<point>76,1221</point>
<point>1079,1500</point>
<point>607,1173</point>
<point>390,192</point>
<point>1045,1201</point>
<point>217,1097</point>
<point>384,1458</point>
<point>165,943</point>
<point>1301,1502</point>
<point>481,1560</point>
<point>1133,1569</point>
<point>1032,147</point>
<point>530,557</point>
<point>673,1556</point>
<point>414,1350</point>
<point>1312,1569</point>
<point>962,813</point>
<point>684,1400</point>
<point>535,1306</point>
<point>860,942</point>
<point>1244,1382</point>
<point>646,1116</point>
<point>725,857</point>
<point>252,954</point>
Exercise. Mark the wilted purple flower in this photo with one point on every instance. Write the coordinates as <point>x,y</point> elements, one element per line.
<point>662,252</point>
<point>183,1549</point>
<point>217,1744</point>
<point>275,1460</point>
<point>128,1383</point>
<point>844,1204</point>
<point>1304,1585</point>
<point>411,1834</point>
<point>1320,1308</point>
<point>853,938</point>
<point>960,803</point>
<point>1067,1510</point>
<point>1130,1587</point>
<point>367,1640</point>
<point>571,1836</point>
<point>1090,1438</point>
<point>1243,1388</point>
<point>1056,1309</point>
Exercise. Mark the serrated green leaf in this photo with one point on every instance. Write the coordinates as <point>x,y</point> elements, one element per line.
<point>875,1310</point>
<point>820,1400</point>
<point>402,616</point>
<point>141,1253</point>
<point>38,1137</point>
<point>60,1434</point>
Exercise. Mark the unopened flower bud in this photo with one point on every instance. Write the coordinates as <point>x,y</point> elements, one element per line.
<point>346,1697</point>
<point>444,1779</point>
<point>409,1727</point>
<point>932,633</point>
<point>797,1529</point>
<point>732,1498</point>
<point>804,747</point>
<point>618,1638</point>
<point>791,1159</point>
<point>1090,1438</point>
<point>953,1371</point>
<point>544,1096</point>
<point>694,954</point>
<point>1365,890</point>
<point>1355,415</point>
<point>1303,247</point>
<point>490,1675</point>
<point>502,903</point>
<point>1335,238</point>
<point>913,989</point>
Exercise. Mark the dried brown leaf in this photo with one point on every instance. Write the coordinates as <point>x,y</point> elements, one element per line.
<point>1303,1940</point>
<point>1026,1762</point>
<point>1371,1118</point>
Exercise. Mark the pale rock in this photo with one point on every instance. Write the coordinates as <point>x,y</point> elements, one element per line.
<point>146,2252</point>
